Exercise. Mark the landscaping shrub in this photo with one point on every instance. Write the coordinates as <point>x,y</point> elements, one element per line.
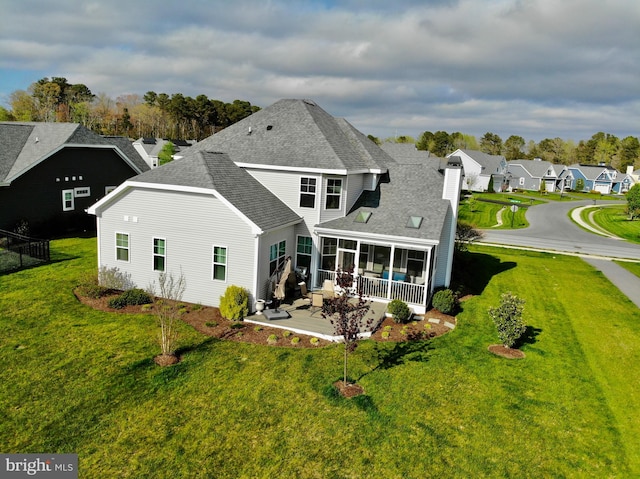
<point>295,340</point>
<point>90,288</point>
<point>113,278</point>
<point>272,339</point>
<point>234,304</point>
<point>314,341</point>
<point>400,311</point>
<point>508,319</point>
<point>131,297</point>
<point>445,301</point>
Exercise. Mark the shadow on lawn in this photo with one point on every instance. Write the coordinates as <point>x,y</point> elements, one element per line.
<point>473,271</point>
<point>388,357</point>
<point>529,337</point>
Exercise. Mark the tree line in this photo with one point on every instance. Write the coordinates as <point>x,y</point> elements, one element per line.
<point>600,148</point>
<point>152,115</point>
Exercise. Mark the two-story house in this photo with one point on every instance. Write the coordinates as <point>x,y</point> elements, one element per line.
<point>480,170</point>
<point>288,181</point>
<point>533,175</point>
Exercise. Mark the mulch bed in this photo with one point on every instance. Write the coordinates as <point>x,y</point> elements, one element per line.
<point>505,352</point>
<point>208,321</point>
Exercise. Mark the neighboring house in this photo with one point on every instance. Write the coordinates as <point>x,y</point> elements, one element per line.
<point>599,178</point>
<point>623,183</point>
<point>287,181</point>
<point>51,172</point>
<point>149,148</point>
<point>479,168</point>
<point>532,175</point>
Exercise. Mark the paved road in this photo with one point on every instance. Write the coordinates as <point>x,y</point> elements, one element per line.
<point>551,229</point>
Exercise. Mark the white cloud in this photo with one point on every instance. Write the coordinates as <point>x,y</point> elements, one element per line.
<point>537,68</point>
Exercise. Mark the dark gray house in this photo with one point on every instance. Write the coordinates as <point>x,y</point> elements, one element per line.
<point>50,173</point>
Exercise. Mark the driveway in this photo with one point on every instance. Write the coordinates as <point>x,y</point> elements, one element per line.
<point>552,230</point>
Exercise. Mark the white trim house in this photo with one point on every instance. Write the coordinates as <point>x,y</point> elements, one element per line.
<point>289,180</point>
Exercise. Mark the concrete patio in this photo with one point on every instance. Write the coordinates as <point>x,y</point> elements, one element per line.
<point>304,319</point>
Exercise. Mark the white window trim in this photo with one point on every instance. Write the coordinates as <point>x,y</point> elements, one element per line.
<point>315,193</point>
<point>213,262</point>
<point>64,201</point>
<point>128,248</point>
<point>82,191</point>
<point>521,182</point>
<point>327,195</point>
<point>154,254</point>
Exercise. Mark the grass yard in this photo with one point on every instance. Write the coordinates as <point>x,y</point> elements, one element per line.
<point>615,220</point>
<point>484,215</point>
<point>75,380</point>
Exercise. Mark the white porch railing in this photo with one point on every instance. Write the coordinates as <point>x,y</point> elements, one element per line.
<point>385,289</point>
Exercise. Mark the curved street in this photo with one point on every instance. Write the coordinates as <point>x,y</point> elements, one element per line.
<point>552,230</point>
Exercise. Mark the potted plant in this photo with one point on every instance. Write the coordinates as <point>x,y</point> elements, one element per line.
<point>399,310</point>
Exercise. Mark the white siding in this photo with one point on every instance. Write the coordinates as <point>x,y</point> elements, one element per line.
<point>192,224</point>
<point>266,240</point>
<point>356,183</point>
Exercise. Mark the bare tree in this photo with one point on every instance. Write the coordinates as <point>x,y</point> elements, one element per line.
<point>171,290</point>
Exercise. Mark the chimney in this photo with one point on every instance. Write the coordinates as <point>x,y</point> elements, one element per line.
<point>451,193</point>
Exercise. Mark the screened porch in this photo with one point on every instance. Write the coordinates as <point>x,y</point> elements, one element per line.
<point>382,271</point>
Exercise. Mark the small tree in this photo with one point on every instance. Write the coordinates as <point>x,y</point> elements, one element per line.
<point>166,153</point>
<point>633,202</point>
<point>472,203</point>
<point>171,290</point>
<point>579,184</point>
<point>465,235</point>
<point>347,316</point>
<point>508,319</point>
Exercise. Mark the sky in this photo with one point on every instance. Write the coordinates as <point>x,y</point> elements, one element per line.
<point>534,68</point>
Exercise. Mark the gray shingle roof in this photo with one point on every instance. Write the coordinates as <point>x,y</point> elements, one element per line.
<point>216,171</point>
<point>535,168</point>
<point>491,163</point>
<point>296,134</point>
<point>24,144</point>
<point>410,190</point>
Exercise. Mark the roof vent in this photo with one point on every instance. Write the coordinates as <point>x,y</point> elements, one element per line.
<point>249,131</point>
<point>269,127</point>
<point>37,139</point>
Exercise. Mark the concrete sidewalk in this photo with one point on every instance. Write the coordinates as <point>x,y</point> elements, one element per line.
<point>625,281</point>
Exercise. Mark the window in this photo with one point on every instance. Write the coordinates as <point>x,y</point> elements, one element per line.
<point>414,222</point>
<point>122,246</point>
<point>334,192</point>
<point>159,254</point>
<point>329,250</point>
<point>82,192</point>
<point>307,192</point>
<point>67,200</point>
<point>415,262</point>
<point>521,181</point>
<point>276,255</point>
<point>303,252</point>
<point>219,263</point>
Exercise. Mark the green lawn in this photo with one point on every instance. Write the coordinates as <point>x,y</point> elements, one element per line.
<point>81,381</point>
<point>615,220</point>
<point>484,215</point>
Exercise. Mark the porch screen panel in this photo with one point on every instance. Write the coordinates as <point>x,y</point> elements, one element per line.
<point>328,255</point>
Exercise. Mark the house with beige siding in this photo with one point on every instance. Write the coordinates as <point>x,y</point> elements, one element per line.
<point>288,181</point>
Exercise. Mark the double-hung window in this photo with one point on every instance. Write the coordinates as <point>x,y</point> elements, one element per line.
<point>122,246</point>
<point>334,193</point>
<point>303,252</point>
<point>159,254</point>
<point>307,192</point>
<point>219,263</point>
<point>68,203</point>
<point>277,254</point>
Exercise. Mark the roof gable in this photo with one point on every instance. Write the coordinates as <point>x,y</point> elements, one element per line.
<point>29,143</point>
<point>535,168</point>
<point>216,172</point>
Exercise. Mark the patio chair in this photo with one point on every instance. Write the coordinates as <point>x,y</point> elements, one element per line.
<point>317,300</point>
